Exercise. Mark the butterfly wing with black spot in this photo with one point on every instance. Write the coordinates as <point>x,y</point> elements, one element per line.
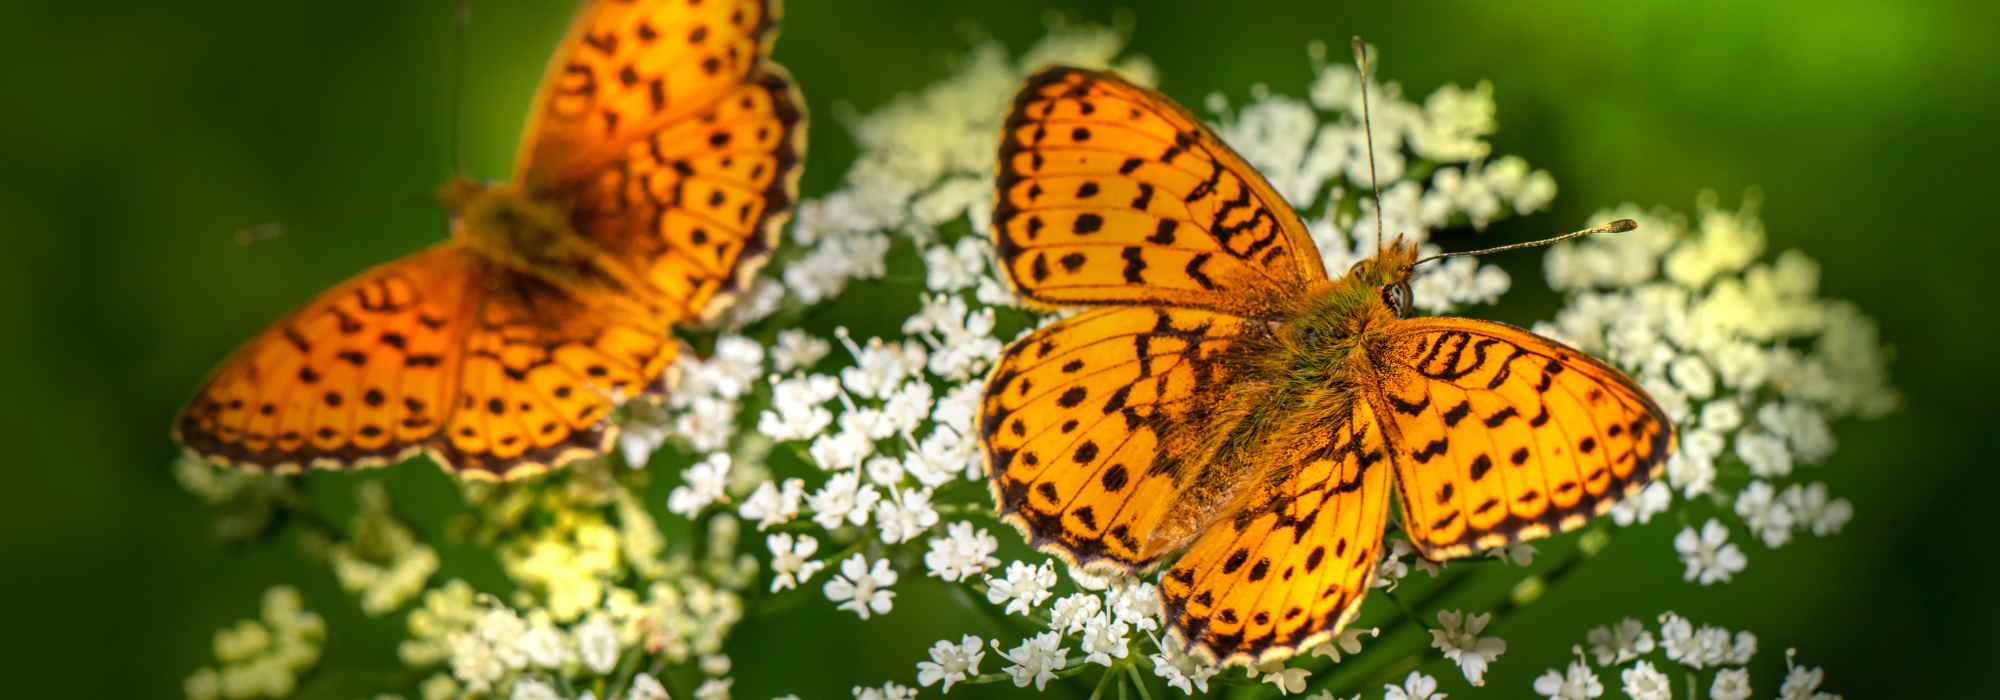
<point>1290,569</point>
<point>1078,420</point>
<point>364,375</point>
<point>1502,435</point>
<point>675,139</point>
<point>1109,193</point>
<point>541,373</point>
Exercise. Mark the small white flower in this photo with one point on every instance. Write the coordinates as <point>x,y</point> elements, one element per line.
<point>797,350</point>
<point>773,505</point>
<point>1802,683</point>
<point>1730,684</point>
<point>1578,683</point>
<point>964,551</point>
<point>1643,682</point>
<point>1023,588</point>
<point>597,644</point>
<point>1287,680</point>
<point>1764,453</point>
<point>1709,555</point>
<point>1035,661</point>
<point>1463,645</point>
<point>1721,416</point>
<point>843,498</point>
<point>1135,603</point>
<point>905,515</point>
<point>951,663</point>
<point>1348,642</point>
<point>1692,376</point>
<point>1677,639</point>
<point>532,689</point>
<point>705,483</point>
<point>888,691</point>
<point>1104,640</point>
<point>1814,511</point>
<point>1642,506</point>
<point>1692,468</point>
<point>848,448</point>
<point>880,367</point>
<point>1416,686</point>
<point>714,689</point>
<point>1744,648</point>
<point>861,589</point>
<point>798,408</point>
<point>1768,517</point>
<point>1180,668</point>
<point>1070,613</point>
<point>1616,644</point>
<point>646,687</point>
<point>543,645</point>
<point>907,407</point>
<point>791,560</point>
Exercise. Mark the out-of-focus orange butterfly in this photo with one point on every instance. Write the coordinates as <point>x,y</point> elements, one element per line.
<point>660,160</point>
<point>1224,397</point>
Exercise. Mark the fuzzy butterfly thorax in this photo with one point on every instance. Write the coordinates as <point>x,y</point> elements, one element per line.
<point>1290,377</point>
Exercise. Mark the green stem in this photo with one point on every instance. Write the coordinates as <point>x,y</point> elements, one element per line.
<point>1139,682</point>
<point>1102,681</point>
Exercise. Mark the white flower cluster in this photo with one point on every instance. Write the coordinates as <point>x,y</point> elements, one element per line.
<point>383,564</point>
<point>1744,356</point>
<point>262,658</point>
<point>1431,158</point>
<point>488,647</point>
<point>1629,647</point>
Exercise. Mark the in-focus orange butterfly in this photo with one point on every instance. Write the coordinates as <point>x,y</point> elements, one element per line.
<point>1225,398</point>
<point>661,158</point>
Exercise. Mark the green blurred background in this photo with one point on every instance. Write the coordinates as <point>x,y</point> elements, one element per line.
<point>143,135</point>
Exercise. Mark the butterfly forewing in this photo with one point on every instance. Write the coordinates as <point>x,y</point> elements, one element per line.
<point>1502,435</point>
<point>361,376</point>
<point>629,67</point>
<point>1109,193</point>
<point>695,206</point>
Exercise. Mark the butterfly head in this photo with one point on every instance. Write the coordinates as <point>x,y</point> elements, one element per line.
<point>1388,273</point>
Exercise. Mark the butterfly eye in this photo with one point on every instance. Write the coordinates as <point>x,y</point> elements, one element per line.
<point>1397,296</point>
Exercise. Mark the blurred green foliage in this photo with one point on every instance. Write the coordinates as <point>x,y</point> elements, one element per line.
<point>143,136</point>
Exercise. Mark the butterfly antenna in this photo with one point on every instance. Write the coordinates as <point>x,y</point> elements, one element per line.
<point>1368,132</point>
<point>1619,226</point>
<point>461,17</point>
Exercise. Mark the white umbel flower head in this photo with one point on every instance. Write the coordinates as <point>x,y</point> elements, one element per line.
<point>861,588</point>
<point>1035,661</point>
<point>1709,556</point>
<point>1023,588</point>
<point>963,552</point>
<point>1458,637</point>
<point>951,663</point>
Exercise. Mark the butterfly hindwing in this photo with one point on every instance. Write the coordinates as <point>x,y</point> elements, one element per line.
<point>1076,421</point>
<point>1502,435</point>
<point>363,375</point>
<point>1109,193</point>
<point>542,372</point>
<point>1290,569</point>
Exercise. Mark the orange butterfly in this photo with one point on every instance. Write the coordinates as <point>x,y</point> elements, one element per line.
<point>1227,399</point>
<point>661,158</point>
